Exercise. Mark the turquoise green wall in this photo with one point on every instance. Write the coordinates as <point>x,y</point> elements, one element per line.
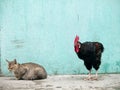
<point>43,31</point>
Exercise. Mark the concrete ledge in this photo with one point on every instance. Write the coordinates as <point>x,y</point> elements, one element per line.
<point>63,82</point>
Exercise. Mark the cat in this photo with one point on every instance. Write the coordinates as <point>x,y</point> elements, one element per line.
<point>27,71</point>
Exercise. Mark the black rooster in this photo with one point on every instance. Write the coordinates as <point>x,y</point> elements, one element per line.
<point>90,53</point>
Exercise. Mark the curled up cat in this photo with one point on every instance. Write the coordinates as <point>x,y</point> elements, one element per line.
<point>27,71</point>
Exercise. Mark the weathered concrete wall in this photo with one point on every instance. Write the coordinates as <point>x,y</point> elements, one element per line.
<point>43,31</point>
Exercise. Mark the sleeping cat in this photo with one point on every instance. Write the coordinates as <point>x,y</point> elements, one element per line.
<point>27,71</point>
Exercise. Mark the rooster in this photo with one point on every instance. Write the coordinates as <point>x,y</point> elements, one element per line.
<point>90,53</point>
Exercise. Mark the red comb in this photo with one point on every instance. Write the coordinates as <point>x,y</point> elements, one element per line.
<point>76,39</point>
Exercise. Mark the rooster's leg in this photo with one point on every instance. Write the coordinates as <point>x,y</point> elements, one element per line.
<point>89,76</point>
<point>96,76</point>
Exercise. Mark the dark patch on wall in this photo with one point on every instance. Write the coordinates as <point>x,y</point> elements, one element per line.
<point>18,43</point>
<point>77,71</point>
<point>55,72</point>
<point>106,67</point>
<point>118,66</point>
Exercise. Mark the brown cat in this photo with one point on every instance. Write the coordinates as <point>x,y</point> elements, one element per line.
<point>27,71</point>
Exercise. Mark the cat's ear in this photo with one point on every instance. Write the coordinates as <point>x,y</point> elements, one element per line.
<point>15,61</point>
<point>7,61</point>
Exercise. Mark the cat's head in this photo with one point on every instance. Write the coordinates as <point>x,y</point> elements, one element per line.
<point>12,65</point>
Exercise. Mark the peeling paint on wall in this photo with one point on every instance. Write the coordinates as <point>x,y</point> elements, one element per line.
<point>18,43</point>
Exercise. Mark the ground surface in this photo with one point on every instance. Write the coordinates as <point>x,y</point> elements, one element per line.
<point>63,82</point>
